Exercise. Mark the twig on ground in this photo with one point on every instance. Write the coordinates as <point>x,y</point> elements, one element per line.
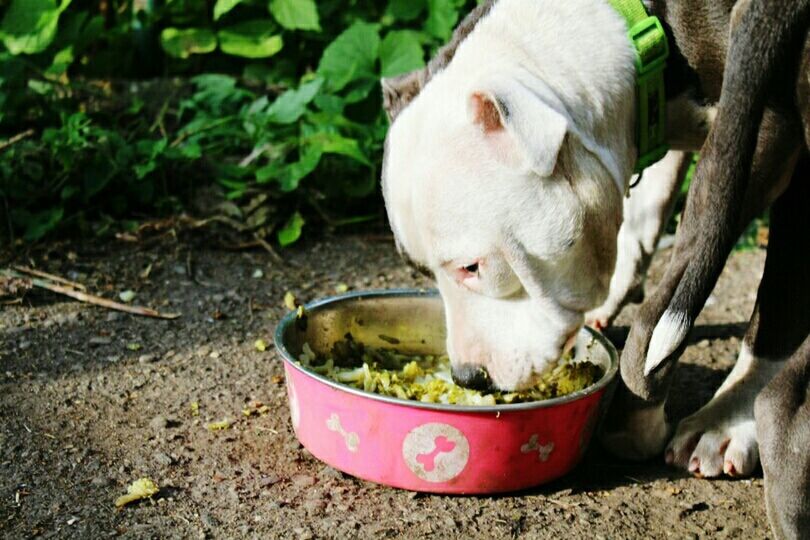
<point>16,138</point>
<point>57,279</point>
<point>268,248</point>
<point>93,299</point>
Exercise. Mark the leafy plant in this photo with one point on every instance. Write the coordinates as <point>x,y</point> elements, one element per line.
<point>126,108</point>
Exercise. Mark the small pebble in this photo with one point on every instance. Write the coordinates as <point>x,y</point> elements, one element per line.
<point>146,358</point>
<point>303,480</point>
<point>101,481</point>
<point>162,458</point>
<point>269,480</point>
<point>158,423</point>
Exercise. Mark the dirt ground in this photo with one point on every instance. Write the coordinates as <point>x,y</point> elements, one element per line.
<point>92,399</point>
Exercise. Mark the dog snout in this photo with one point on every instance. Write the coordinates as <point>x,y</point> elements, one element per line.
<point>472,377</point>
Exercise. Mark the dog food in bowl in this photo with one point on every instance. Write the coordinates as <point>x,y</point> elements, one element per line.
<point>418,445</point>
<point>427,378</point>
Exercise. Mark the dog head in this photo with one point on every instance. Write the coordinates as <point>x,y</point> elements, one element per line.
<point>511,195</point>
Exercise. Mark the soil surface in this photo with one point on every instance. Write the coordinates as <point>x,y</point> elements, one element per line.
<point>92,400</point>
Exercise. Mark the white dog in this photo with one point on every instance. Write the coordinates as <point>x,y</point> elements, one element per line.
<point>506,177</point>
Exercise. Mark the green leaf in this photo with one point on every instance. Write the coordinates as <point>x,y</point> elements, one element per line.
<point>330,103</point>
<point>442,18</point>
<point>296,14</point>
<point>151,150</point>
<point>333,143</point>
<point>224,6</point>
<point>291,231</point>
<point>29,26</point>
<point>182,43</point>
<point>251,39</point>
<point>401,52</point>
<point>292,104</point>
<point>61,62</point>
<point>289,175</point>
<point>352,56</point>
<point>405,10</point>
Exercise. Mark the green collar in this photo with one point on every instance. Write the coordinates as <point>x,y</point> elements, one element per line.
<point>652,50</point>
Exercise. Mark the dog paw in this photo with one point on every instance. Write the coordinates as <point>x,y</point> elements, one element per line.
<point>721,438</point>
<point>712,447</point>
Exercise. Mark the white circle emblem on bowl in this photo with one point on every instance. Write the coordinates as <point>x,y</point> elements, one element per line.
<point>436,452</point>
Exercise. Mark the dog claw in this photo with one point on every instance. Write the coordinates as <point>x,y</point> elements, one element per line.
<point>694,466</point>
<point>669,457</point>
<point>729,469</point>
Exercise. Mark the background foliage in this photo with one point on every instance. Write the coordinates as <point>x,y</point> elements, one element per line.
<point>111,110</point>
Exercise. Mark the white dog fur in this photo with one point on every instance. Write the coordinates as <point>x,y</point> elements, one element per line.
<point>537,202</point>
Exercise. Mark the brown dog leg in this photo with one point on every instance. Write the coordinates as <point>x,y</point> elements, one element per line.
<point>749,150</point>
<point>636,427</point>
<point>721,437</point>
<point>783,431</point>
<point>717,208</point>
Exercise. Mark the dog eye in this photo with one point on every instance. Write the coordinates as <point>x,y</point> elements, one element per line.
<point>468,271</point>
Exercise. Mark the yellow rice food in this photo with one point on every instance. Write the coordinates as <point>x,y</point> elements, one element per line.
<point>427,378</point>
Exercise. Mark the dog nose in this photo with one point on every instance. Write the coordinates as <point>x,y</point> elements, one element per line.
<point>472,377</point>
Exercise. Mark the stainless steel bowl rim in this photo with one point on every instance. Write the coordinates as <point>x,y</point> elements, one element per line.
<point>288,358</point>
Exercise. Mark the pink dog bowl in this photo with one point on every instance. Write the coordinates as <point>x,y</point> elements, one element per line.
<point>423,446</point>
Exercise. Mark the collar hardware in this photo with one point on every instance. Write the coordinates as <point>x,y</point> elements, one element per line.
<point>652,50</point>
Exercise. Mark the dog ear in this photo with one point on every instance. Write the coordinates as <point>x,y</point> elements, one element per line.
<point>399,91</point>
<point>522,120</point>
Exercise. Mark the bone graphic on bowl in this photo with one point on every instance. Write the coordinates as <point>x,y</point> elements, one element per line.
<point>443,446</point>
<point>543,450</point>
<point>351,439</point>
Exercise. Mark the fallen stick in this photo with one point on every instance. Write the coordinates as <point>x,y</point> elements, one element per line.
<point>268,248</point>
<point>51,277</point>
<point>95,300</point>
<point>16,138</point>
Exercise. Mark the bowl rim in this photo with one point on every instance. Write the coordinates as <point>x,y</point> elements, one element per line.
<point>287,357</point>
